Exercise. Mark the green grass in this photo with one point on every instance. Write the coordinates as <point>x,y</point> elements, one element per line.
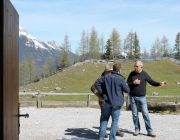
<point>75,80</point>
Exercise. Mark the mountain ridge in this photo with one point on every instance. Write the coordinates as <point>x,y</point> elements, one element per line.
<point>40,50</point>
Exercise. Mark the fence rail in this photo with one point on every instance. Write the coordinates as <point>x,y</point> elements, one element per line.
<point>161,106</point>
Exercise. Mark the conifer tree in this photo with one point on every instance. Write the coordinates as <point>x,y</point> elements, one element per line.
<point>32,68</point>
<point>130,45</point>
<point>28,72</point>
<point>76,59</point>
<point>24,72</point>
<point>136,47</point>
<point>125,48</point>
<point>108,54</point>
<point>156,49</point>
<point>48,67</point>
<point>82,46</point>
<point>116,43</point>
<point>65,58</point>
<point>177,46</point>
<point>145,54</point>
<point>102,44</point>
<point>165,46</point>
<point>94,47</point>
<point>87,45</point>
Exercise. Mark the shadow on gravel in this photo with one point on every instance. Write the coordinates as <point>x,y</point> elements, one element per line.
<point>82,133</point>
<point>130,132</point>
<point>85,133</point>
<point>125,131</point>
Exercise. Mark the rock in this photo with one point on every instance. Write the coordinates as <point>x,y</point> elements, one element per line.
<point>57,88</point>
<point>155,94</point>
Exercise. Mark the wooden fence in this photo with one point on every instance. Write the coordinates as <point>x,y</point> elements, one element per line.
<point>154,106</point>
<point>159,106</point>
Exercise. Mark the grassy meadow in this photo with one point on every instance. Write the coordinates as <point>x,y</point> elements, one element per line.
<point>79,79</point>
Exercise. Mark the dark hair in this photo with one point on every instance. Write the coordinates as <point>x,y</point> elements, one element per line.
<point>116,67</point>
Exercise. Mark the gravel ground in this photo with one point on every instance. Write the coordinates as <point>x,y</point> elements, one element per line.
<point>83,124</point>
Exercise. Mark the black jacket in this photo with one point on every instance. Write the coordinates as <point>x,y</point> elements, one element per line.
<point>140,90</point>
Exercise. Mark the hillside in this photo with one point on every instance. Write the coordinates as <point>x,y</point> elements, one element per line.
<point>80,78</point>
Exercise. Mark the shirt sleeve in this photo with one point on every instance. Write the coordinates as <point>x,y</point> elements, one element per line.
<point>151,81</point>
<point>129,80</point>
<point>125,87</point>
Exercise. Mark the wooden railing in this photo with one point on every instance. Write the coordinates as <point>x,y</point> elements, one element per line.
<point>159,106</point>
<point>174,106</point>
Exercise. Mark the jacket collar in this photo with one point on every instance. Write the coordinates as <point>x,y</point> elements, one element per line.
<point>115,72</point>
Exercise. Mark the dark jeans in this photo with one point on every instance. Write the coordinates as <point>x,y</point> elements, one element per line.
<point>114,112</point>
<point>101,105</point>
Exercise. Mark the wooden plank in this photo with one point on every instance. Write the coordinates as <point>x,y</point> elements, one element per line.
<point>10,71</point>
<point>1,66</point>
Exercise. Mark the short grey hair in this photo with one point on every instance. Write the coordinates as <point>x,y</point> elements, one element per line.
<point>139,62</point>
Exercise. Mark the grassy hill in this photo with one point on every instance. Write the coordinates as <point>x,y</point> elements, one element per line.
<point>79,79</point>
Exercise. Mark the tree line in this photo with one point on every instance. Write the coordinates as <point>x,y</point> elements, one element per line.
<point>91,46</point>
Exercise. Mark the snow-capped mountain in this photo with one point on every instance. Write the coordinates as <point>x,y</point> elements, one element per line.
<point>29,45</point>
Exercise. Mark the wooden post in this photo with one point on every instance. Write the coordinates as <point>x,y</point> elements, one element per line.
<point>176,100</point>
<point>88,101</point>
<point>128,107</point>
<point>38,101</point>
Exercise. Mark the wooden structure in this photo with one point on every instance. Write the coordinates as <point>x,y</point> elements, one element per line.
<point>9,71</point>
<point>158,106</point>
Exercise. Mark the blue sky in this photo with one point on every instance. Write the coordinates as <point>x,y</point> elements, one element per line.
<point>52,19</point>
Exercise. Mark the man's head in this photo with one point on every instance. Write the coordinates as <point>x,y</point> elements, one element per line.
<point>117,67</point>
<point>108,69</point>
<point>138,66</point>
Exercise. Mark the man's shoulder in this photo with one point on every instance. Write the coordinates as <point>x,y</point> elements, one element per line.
<point>132,73</point>
<point>144,72</point>
<point>119,76</point>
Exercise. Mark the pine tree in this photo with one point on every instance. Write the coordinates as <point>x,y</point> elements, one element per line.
<point>82,46</point>
<point>165,46</point>
<point>177,46</point>
<point>48,67</point>
<point>32,68</point>
<point>87,45</point>
<point>28,72</point>
<point>102,44</point>
<point>130,45</point>
<point>76,59</point>
<point>145,54</point>
<point>125,48</point>
<point>156,49</point>
<point>108,54</point>
<point>94,47</point>
<point>65,58</point>
<point>24,72</point>
<point>136,47</point>
<point>116,43</point>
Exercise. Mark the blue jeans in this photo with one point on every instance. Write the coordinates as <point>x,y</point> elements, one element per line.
<point>114,112</point>
<point>141,102</point>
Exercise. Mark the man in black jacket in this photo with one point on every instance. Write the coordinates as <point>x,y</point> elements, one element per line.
<point>137,82</point>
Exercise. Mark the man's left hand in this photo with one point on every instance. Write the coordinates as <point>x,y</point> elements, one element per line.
<point>163,83</point>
